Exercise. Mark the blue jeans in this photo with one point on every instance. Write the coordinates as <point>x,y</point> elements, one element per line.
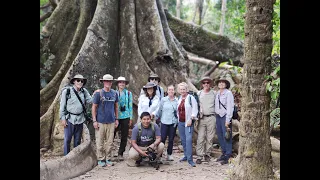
<point>69,131</point>
<point>186,139</point>
<point>168,130</point>
<point>226,146</point>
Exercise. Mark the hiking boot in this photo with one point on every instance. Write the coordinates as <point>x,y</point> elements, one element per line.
<point>221,158</point>
<point>192,164</point>
<point>120,157</point>
<point>225,161</point>
<point>109,163</point>
<point>183,159</point>
<point>198,161</point>
<point>101,163</point>
<point>138,162</point>
<point>207,158</point>
<point>170,158</point>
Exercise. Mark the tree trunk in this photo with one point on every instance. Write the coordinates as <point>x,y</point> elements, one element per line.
<point>144,44</point>
<point>254,159</point>
<point>178,8</point>
<point>205,43</point>
<point>223,16</point>
<point>198,12</point>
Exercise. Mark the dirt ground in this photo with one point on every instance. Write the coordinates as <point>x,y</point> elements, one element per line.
<point>169,170</point>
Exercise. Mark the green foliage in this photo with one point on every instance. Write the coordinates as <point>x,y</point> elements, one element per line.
<point>273,84</point>
<point>274,118</point>
<point>42,2</point>
<point>276,27</point>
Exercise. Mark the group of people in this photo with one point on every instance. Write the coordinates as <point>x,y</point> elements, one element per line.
<point>159,117</point>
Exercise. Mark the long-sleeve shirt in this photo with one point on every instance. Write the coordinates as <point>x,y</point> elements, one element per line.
<point>189,111</point>
<point>125,99</point>
<point>166,111</point>
<point>227,100</point>
<point>143,105</point>
<point>76,115</point>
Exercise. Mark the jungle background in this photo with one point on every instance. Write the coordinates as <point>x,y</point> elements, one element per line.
<point>225,18</point>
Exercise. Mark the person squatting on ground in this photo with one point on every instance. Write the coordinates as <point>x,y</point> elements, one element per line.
<point>207,121</point>
<point>71,112</point>
<point>186,114</point>
<point>167,112</point>
<point>124,113</point>
<point>148,101</point>
<point>145,134</point>
<point>224,103</point>
<point>105,119</point>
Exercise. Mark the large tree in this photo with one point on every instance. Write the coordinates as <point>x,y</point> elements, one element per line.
<point>254,153</point>
<point>121,37</point>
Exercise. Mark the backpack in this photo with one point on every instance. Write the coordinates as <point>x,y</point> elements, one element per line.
<point>235,114</point>
<point>68,95</point>
<point>140,131</point>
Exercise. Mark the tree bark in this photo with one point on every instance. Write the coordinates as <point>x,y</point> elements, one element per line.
<point>254,159</point>
<point>223,16</point>
<point>62,40</point>
<point>144,44</point>
<point>178,8</point>
<point>205,43</point>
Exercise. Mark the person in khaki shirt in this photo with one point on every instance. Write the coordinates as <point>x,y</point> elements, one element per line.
<point>207,121</point>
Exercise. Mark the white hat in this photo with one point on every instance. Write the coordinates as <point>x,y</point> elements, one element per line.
<point>107,77</point>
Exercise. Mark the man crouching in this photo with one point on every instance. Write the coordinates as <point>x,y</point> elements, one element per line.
<point>145,134</point>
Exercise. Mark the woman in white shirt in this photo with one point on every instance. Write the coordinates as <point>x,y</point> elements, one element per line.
<point>148,101</point>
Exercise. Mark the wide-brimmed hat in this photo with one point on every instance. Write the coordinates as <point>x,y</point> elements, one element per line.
<point>206,78</point>
<point>120,78</point>
<point>149,85</point>
<point>224,80</point>
<point>106,77</point>
<point>153,75</point>
<point>78,76</point>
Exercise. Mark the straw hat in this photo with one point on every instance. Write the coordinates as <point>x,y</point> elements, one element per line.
<point>153,75</point>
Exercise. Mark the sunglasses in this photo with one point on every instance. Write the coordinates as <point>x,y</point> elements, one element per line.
<point>154,79</point>
<point>205,82</point>
<point>79,80</point>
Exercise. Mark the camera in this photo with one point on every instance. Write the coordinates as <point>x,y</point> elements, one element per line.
<point>152,155</point>
<point>122,108</point>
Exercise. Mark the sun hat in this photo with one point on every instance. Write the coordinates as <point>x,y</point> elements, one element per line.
<point>153,75</point>
<point>149,85</point>
<point>206,78</point>
<point>78,76</point>
<point>224,80</point>
<point>121,78</point>
<point>106,77</point>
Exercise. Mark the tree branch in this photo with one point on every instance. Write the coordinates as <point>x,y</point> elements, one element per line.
<point>45,16</point>
<point>45,6</point>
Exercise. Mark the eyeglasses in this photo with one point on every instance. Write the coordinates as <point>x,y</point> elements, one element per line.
<point>79,80</point>
<point>206,82</point>
<point>107,81</point>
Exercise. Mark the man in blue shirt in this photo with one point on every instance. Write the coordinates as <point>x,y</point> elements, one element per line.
<point>105,119</point>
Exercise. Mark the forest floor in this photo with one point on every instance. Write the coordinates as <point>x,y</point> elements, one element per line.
<point>169,170</point>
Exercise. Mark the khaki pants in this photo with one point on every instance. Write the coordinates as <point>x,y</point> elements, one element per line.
<point>104,133</point>
<point>206,131</point>
<point>134,155</point>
